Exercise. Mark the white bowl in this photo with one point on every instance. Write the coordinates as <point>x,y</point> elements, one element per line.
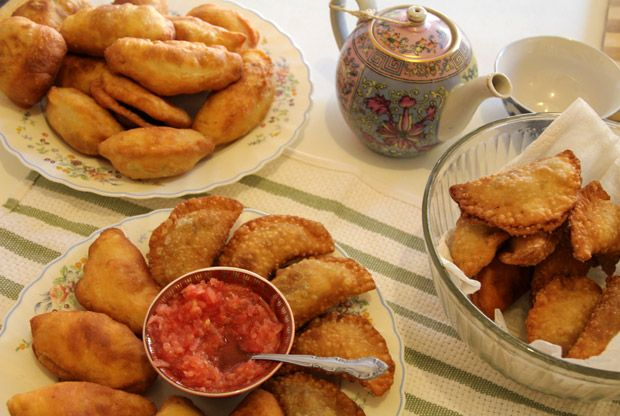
<point>480,153</point>
<point>548,73</point>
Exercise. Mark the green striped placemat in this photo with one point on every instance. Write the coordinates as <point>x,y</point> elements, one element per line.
<point>381,231</point>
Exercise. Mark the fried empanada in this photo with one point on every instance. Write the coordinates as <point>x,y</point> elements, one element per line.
<point>80,72</point>
<point>79,120</point>
<point>258,403</point>
<point>228,19</point>
<point>474,244</point>
<point>529,250</point>
<point>603,324</point>
<point>560,263</point>
<point>133,96</point>
<point>193,29</point>
<point>561,310</point>
<point>91,31</point>
<point>30,56</point>
<point>91,346</point>
<point>347,336</point>
<point>160,5</point>
<point>528,199</point>
<point>116,280</point>
<point>155,152</point>
<point>179,406</point>
<point>500,286</point>
<point>264,244</point>
<point>50,12</point>
<point>191,237</point>
<point>312,286</point>
<point>79,398</point>
<point>594,223</point>
<point>301,394</point>
<point>174,67</point>
<point>233,112</point>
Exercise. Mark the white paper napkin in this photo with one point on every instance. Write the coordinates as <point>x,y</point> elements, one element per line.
<point>580,129</point>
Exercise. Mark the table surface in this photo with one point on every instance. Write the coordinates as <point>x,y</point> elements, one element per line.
<point>489,25</point>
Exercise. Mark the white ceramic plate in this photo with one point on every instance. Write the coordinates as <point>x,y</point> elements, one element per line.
<point>27,135</point>
<point>53,290</point>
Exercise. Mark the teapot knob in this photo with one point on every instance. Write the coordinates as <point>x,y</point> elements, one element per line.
<point>416,15</point>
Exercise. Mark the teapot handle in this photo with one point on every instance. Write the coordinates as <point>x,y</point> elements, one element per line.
<point>339,26</point>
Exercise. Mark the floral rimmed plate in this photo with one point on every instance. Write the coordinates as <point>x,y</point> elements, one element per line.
<point>53,289</point>
<point>27,135</point>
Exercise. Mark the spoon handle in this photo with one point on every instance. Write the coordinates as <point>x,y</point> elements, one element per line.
<point>362,368</point>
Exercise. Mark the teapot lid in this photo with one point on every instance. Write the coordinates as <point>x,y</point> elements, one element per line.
<point>414,33</point>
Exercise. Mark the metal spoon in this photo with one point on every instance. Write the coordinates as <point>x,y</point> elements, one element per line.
<point>362,368</point>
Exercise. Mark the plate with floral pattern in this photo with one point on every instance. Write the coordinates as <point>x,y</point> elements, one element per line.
<point>54,288</point>
<point>26,134</point>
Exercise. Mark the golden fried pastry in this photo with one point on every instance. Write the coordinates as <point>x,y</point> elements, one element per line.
<point>91,31</point>
<point>560,263</point>
<point>500,286</point>
<point>527,199</point>
<point>138,100</point>
<point>258,403</point>
<point>79,120</point>
<point>561,310</point>
<point>80,72</point>
<point>312,286</point>
<point>603,324</point>
<point>264,244</point>
<point>50,12</point>
<point>529,250</point>
<point>179,406</point>
<point>79,398</point>
<point>116,280</point>
<point>30,56</point>
<point>160,5</point>
<point>192,29</point>
<point>234,111</point>
<point>301,394</point>
<point>174,67</point>
<point>228,19</point>
<point>91,346</point>
<point>191,237</point>
<point>474,244</point>
<point>126,116</point>
<point>594,223</point>
<point>347,336</point>
<point>155,152</point>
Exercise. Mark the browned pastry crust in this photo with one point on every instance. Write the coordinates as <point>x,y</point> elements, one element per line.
<point>603,324</point>
<point>301,394</point>
<point>91,346</point>
<point>191,237</point>
<point>264,244</point>
<point>80,72</point>
<point>155,152</point>
<point>561,310</point>
<point>92,30</point>
<point>531,249</point>
<point>50,12</point>
<point>258,403</point>
<point>174,67</point>
<point>79,398</point>
<point>193,29</point>
<point>348,336</point>
<point>160,5</point>
<point>179,406</point>
<point>116,280</point>
<point>228,19</point>
<point>525,200</point>
<point>312,286</point>
<point>30,56</point>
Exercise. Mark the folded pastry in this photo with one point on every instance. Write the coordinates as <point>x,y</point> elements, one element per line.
<point>228,19</point>
<point>193,29</point>
<point>50,12</point>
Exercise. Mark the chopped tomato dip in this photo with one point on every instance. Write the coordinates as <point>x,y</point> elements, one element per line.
<point>202,336</point>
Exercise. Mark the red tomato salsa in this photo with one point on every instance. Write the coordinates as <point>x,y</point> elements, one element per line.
<point>194,334</point>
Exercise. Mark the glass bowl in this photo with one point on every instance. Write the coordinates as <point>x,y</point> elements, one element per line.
<point>271,297</point>
<point>482,152</point>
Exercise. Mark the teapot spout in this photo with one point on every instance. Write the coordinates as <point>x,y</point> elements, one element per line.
<point>464,99</point>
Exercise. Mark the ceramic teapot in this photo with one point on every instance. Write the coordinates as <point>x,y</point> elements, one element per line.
<point>407,77</point>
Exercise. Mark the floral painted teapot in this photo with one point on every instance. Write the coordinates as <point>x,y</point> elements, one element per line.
<point>407,77</point>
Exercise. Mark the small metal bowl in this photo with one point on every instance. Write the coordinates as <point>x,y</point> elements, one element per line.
<point>257,284</point>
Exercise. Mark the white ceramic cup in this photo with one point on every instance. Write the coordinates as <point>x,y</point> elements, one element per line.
<point>549,72</point>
